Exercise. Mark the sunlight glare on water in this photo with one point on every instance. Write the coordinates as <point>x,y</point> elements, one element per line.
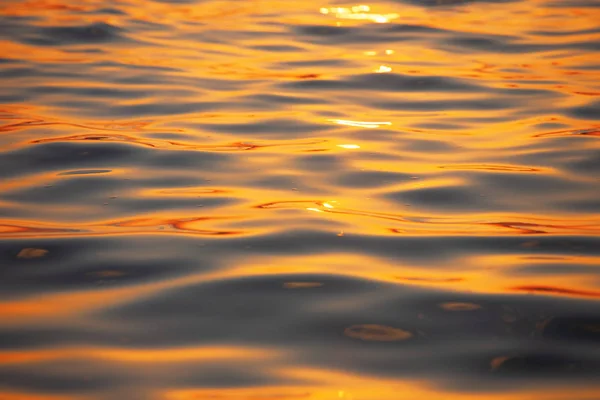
<point>251,200</point>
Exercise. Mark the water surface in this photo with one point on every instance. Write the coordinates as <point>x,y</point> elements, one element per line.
<point>250,200</point>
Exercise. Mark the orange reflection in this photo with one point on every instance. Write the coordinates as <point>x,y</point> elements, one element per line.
<point>448,150</point>
<point>172,355</point>
<point>328,385</point>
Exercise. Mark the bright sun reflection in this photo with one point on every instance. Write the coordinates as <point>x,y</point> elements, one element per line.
<point>383,69</point>
<point>360,124</point>
<point>349,146</point>
<point>360,12</point>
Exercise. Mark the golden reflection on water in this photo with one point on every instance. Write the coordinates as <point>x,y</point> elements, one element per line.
<point>269,126</point>
<point>361,12</point>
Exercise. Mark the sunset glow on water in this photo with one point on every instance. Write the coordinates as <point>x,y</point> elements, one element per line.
<point>280,200</point>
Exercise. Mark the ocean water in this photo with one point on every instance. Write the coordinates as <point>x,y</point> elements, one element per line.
<point>284,200</point>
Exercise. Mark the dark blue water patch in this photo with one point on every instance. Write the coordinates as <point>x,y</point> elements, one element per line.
<point>591,45</point>
<point>97,33</point>
<point>225,375</point>
<point>560,150</point>
<point>108,109</point>
<point>415,250</point>
<point>52,377</point>
<point>58,253</point>
<point>26,279</point>
<point>532,364</point>
<point>38,337</point>
<point>278,48</point>
<point>587,111</point>
<point>103,92</point>
<point>200,161</point>
<point>171,179</point>
<point>320,162</point>
<point>84,51</point>
<point>388,82</point>
<point>411,28</point>
<point>366,34</point>
<point>316,63</point>
<point>170,137</point>
<point>585,163</point>
<point>118,204</point>
<point>565,33</point>
<point>324,30</point>
<point>10,60</point>
<point>108,11</point>
<point>86,172</point>
<point>276,99</point>
<point>83,189</point>
<point>585,67</point>
<point>509,45</point>
<point>89,73</point>
<point>444,198</point>
<point>61,156</point>
<point>124,206</point>
<point>482,104</point>
<point>574,328</point>
<point>93,376</point>
<point>283,127</point>
<point>529,92</point>
<point>134,67</point>
<point>98,152</point>
<point>140,25</point>
<point>55,72</point>
<point>495,45</point>
<point>140,78</point>
<point>370,179</point>
<point>14,26</point>
<point>581,205</point>
<point>550,126</point>
<point>440,126</point>
<point>249,302</point>
<point>313,321</point>
<point>556,269</point>
<point>225,37</point>
<point>426,145</point>
<point>574,3</point>
<point>278,182</point>
<point>84,263</point>
<point>17,98</point>
<point>19,72</point>
<point>530,184</point>
<point>309,320</point>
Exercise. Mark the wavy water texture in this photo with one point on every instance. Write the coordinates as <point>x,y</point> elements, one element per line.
<point>261,199</point>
